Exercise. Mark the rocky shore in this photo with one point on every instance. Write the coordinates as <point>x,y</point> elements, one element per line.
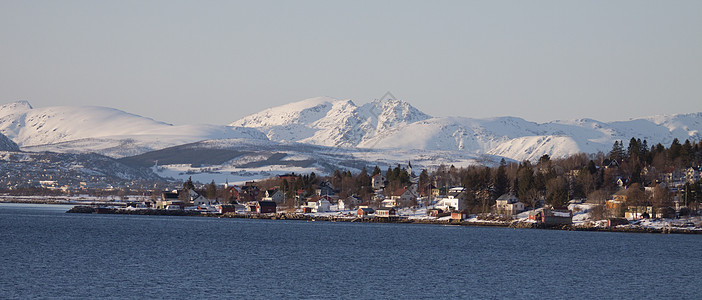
<point>353,219</point>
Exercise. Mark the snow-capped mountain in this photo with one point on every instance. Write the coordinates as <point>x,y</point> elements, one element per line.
<point>103,130</point>
<point>330,122</point>
<point>394,124</point>
<point>520,140</point>
<point>377,127</point>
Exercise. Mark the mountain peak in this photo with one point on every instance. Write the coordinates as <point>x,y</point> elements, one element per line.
<point>301,112</point>
<point>331,122</point>
<point>14,107</point>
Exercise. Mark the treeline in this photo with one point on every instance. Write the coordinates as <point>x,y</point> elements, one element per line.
<point>594,177</point>
<point>549,181</point>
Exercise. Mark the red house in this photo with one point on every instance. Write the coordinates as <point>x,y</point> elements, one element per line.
<point>264,207</point>
<point>364,211</point>
<point>460,216</point>
<point>225,208</point>
<point>386,212</point>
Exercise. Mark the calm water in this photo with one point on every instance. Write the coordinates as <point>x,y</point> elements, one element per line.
<point>48,253</point>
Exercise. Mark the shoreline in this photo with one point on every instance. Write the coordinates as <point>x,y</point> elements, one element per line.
<point>58,201</point>
<point>396,219</point>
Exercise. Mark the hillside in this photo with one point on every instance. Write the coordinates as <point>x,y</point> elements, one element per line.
<point>239,160</point>
<point>107,131</point>
<point>24,169</point>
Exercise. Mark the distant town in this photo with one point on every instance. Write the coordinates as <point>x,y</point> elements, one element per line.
<point>634,185</point>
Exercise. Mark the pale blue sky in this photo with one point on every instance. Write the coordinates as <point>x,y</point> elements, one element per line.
<point>217,61</point>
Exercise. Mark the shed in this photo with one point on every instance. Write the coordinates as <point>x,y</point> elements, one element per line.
<point>460,216</point>
<point>263,207</point>
<point>225,208</point>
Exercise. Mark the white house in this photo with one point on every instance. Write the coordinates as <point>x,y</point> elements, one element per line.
<point>390,202</point>
<point>403,197</point>
<point>449,203</point>
<point>204,201</point>
<point>198,199</point>
<point>508,204</point>
<point>274,195</point>
<point>321,205</point>
<point>348,203</point>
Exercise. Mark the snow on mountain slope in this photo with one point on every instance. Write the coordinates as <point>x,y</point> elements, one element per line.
<point>245,160</point>
<point>394,124</point>
<point>331,122</point>
<point>454,133</point>
<point>91,129</point>
<point>518,139</point>
<point>323,121</point>
<point>680,125</point>
<point>302,112</point>
<point>533,147</point>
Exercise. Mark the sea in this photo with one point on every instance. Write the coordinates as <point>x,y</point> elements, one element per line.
<point>48,253</point>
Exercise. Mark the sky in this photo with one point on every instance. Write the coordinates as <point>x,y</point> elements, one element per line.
<point>214,62</point>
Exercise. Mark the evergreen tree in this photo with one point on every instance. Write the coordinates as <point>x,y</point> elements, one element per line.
<point>646,156</point>
<point>363,179</point>
<point>376,171</point>
<point>389,175</point>
<point>188,185</point>
<point>424,183</point>
<point>617,152</point>
<point>211,191</point>
<point>557,192</point>
<point>674,150</point>
<point>636,174</point>
<point>501,183</point>
<point>336,179</point>
<point>591,168</point>
<point>634,149</point>
<point>404,177</point>
<point>686,153</point>
<point>525,177</point>
<point>396,173</point>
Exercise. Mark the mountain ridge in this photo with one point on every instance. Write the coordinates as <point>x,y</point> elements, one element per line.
<point>387,124</point>
<point>70,129</point>
<point>378,125</point>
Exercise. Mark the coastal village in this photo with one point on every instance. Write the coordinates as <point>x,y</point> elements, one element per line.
<point>634,188</point>
<point>446,204</point>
